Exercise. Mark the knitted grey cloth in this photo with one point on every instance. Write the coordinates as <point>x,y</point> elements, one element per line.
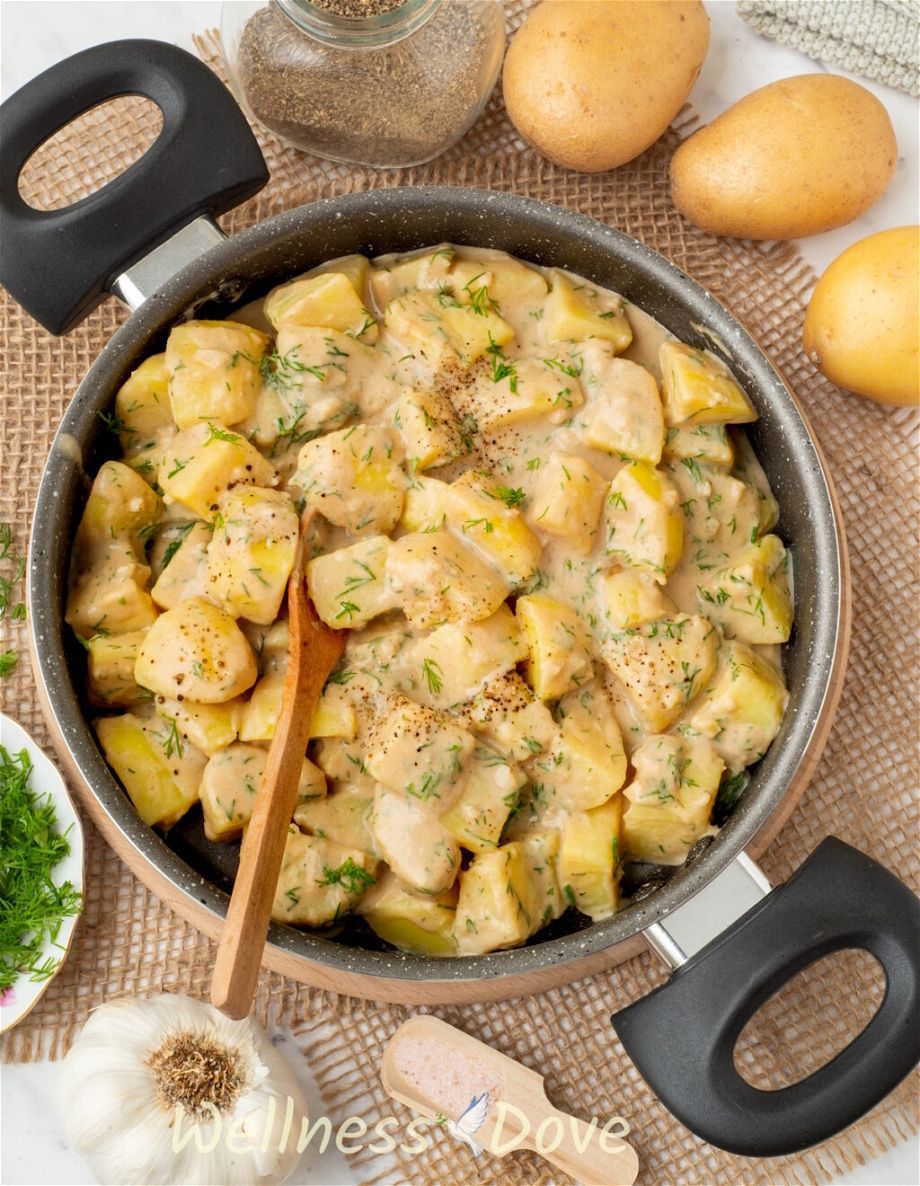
<point>879,39</point>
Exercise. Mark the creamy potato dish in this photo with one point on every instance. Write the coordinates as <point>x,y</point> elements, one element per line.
<point>553,554</point>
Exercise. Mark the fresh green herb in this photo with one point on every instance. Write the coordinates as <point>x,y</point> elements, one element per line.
<point>216,433</point>
<point>341,677</point>
<point>279,370</point>
<point>501,368</point>
<point>291,434</point>
<point>32,906</point>
<point>433,675</point>
<point>693,469</point>
<point>351,877</point>
<point>8,583</point>
<point>481,301</point>
<point>731,788</point>
<point>112,423</point>
<point>176,543</point>
<point>427,786</point>
<point>8,661</point>
<point>511,497</point>
<point>572,369</point>
<point>172,740</point>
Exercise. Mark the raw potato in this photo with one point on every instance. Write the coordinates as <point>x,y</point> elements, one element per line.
<point>592,83</point>
<point>797,157</point>
<point>862,326</point>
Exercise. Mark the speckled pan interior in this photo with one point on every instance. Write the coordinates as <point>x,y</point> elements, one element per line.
<point>401,220</point>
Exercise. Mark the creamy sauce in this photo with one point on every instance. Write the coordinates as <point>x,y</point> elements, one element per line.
<point>456,479</point>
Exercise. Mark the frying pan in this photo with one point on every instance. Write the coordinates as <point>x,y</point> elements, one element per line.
<point>729,938</point>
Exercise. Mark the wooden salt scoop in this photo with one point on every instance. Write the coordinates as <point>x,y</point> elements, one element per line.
<point>313,651</point>
<point>490,1102</point>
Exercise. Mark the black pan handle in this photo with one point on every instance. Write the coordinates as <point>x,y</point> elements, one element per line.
<point>59,263</point>
<point>682,1035</point>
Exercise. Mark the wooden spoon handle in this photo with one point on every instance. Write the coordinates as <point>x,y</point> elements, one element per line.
<point>313,653</point>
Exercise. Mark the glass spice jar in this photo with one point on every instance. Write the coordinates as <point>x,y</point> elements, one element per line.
<point>374,82</point>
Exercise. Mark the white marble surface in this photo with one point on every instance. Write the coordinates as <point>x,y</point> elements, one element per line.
<point>38,33</point>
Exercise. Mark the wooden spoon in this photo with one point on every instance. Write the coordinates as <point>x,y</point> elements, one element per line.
<point>313,651</point>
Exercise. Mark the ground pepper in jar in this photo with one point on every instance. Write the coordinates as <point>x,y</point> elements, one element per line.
<point>376,82</point>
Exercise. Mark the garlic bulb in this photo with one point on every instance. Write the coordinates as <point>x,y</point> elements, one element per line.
<point>168,1090</point>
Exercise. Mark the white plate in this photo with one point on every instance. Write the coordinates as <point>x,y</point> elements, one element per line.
<point>45,779</point>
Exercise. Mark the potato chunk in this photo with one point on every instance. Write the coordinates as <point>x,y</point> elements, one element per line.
<point>587,763</point>
<point>160,773</point>
<point>229,785</point>
<point>664,665</point>
<point>435,578</point>
<point>196,651</point>
<point>418,750</point>
<point>491,786</point>
<point>541,852</point>
<point>423,509</point>
<point>742,708</point>
<point>350,586</point>
<point>342,816</point>
<point>319,880</point>
<point>184,571</point>
<point>506,714</point>
<point>453,662</point>
<point>327,300</point>
<point>624,414</point>
<point>708,444</point>
<point>120,506</point>
<point>643,522</point>
<point>213,371</point>
<point>589,859</point>
<point>437,330</point>
<point>335,714</point>
<point>632,598</point>
<point>431,431</point>
<point>559,658</point>
<point>108,590</point>
<point>252,552</point>
<point>283,304</point>
<point>142,404</point>
<point>204,461</point>
<point>209,727</point>
<point>576,311</point>
<point>498,904</point>
<point>395,277</point>
<point>353,478</point>
<point>110,669</point>
<point>410,921</point>
<point>669,801</point>
<point>479,511</point>
<point>699,389</point>
<point>521,390</point>
<point>567,500</point>
<point>750,598</point>
<point>413,841</point>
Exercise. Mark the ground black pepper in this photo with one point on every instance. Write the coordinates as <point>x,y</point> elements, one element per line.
<point>398,104</point>
<point>358,9</point>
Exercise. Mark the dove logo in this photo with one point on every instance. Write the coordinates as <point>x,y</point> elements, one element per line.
<point>472,1120</point>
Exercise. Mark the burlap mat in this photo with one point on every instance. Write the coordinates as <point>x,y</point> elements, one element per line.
<point>864,792</point>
